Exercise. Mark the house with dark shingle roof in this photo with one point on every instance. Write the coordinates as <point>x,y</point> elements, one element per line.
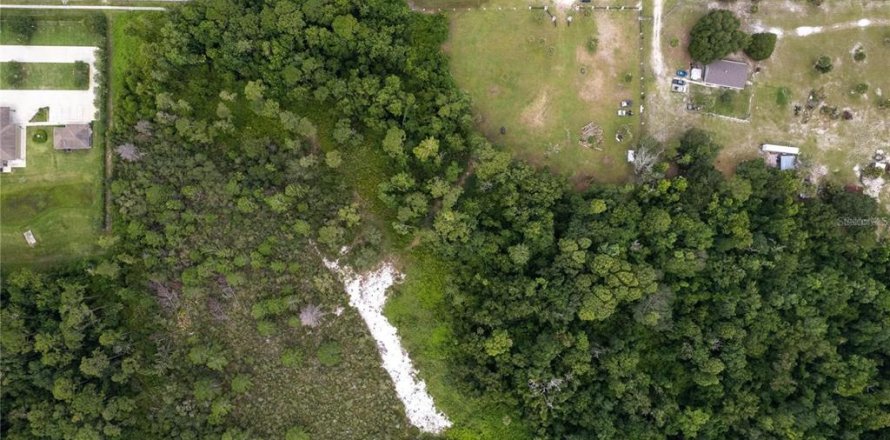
<point>73,137</point>
<point>726,73</point>
<point>12,142</point>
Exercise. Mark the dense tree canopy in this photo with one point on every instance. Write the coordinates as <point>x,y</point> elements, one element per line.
<point>716,35</point>
<point>694,306</point>
<point>691,306</point>
<point>761,46</point>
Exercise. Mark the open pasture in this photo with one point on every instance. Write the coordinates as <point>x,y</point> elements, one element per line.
<point>535,85</point>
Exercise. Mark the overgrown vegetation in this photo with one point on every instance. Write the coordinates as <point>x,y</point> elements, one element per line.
<point>686,306</point>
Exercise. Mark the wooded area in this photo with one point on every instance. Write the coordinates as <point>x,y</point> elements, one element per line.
<point>688,305</point>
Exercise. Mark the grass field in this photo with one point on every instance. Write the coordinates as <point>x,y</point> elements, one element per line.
<point>43,76</point>
<point>58,197</point>
<point>542,84</point>
<point>786,79</point>
<point>55,31</point>
<point>721,102</point>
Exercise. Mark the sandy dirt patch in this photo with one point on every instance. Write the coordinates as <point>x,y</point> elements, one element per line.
<point>536,113</point>
<point>367,293</point>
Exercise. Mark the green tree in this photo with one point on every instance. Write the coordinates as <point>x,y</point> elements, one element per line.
<point>761,45</point>
<point>22,27</point>
<point>823,64</point>
<point>716,35</point>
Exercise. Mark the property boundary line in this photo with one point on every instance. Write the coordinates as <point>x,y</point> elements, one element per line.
<point>86,7</point>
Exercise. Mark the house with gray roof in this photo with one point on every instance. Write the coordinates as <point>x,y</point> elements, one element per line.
<point>726,73</point>
<point>73,137</point>
<point>12,141</point>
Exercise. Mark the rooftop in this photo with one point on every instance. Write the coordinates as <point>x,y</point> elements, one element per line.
<point>727,73</point>
<point>73,137</point>
<point>10,136</point>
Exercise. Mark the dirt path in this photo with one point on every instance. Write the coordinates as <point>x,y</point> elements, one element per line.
<point>805,31</point>
<point>657,57</point>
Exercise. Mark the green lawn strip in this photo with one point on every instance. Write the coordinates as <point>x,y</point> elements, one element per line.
<point>541,84</point>
<point>58,197</point>
<point>44,76</point>
<point>54,28</point>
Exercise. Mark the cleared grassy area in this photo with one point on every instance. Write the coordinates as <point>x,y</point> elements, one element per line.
<point>58,197</point>
<point>54,28</point>
<point>44,76</point>
<point>542,84</point>
<point>721,102</point>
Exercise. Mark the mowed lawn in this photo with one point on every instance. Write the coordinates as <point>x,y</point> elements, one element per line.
<point>58,197</point>
<point>76,31</point>
<point>542,84</point>
<point>46,76</point>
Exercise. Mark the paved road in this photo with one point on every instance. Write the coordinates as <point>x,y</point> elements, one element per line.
<point>105,8</point>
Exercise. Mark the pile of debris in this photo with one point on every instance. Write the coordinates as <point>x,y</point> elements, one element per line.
<point>591,135</point>
<point>873,175</point>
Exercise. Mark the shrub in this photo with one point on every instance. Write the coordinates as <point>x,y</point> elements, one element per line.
<point>39,136</point>
<point>761,46</point>
<point>266,328</point>
<point>859,55</point>
<point>14,74</point>
<point>296,433</point>
<point>715,35</point>
<point>329,354</point>
<point>859,89</point>
<point>783,96</point>
<point>292,358</point>
<point>872,172</point>
<point>823,64</point>
<point>674,42</point>
<point>593,44</point>
<point>81,75</point>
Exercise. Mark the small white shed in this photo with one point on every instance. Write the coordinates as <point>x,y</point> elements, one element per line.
<point>780,149</point>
